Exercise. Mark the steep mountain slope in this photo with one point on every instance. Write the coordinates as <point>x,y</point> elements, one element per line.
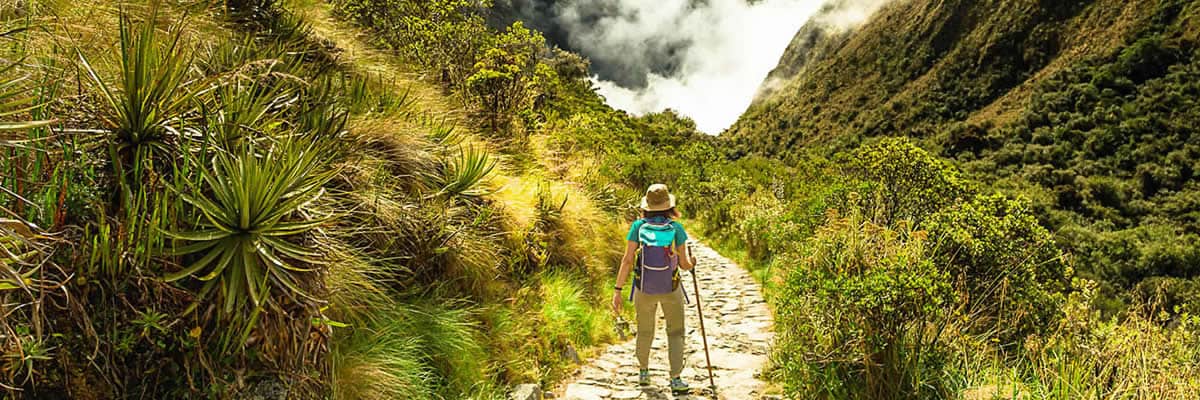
<point>919,64</point>
<point>1084,107</point>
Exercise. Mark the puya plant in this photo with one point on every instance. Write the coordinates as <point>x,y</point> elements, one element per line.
<point>151,92</point>
<point>464,173</point>
<point>252,205</point>
<point>237,111</point>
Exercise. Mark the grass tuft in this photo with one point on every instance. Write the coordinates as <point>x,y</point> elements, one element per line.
<point>382,361</point>
<point>567,312</point>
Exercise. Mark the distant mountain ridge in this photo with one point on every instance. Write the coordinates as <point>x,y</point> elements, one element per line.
<point>917,65</point>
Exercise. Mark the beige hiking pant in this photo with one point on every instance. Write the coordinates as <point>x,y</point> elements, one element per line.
<point>647,310</point>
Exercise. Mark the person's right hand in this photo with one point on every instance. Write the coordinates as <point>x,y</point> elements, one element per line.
<point>617,302</point>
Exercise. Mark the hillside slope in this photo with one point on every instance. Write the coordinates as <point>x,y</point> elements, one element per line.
<point>256,199</point>
<point>917,65</point>
<point>1085,107</point>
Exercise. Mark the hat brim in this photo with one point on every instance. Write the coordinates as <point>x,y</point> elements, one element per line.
<point>660,206</point>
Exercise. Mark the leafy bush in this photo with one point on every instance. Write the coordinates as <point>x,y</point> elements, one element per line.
<point>445,35</point>
<point>503,76</point>
<point>1122,260</point>
<point>908,182</point>
<point>862,307</point>
<point>764,225</point>
<point>1010,272</point>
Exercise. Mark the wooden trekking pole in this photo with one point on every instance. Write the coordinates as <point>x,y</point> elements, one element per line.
<point>700,310</point>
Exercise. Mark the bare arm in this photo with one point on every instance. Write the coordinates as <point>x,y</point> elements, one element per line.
<point>623,274</point>
<point>627,262</point>
<point>687,261</point>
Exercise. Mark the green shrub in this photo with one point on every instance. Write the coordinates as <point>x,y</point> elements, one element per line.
<point>446,36</point>
<point>764,226</point>
<point>1120,260</point>
<point>907,181</point>
<point>503,77</point>
<point>1010,272</point>
<point>860,313</point>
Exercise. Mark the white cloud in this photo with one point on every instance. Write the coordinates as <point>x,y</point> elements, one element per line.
<point>729,46</point>
<point>726,48</point>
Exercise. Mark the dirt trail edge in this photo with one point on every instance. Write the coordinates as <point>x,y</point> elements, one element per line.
<point>738,324</point>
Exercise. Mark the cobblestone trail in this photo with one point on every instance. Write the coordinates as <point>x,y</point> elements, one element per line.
<point>738,324</point>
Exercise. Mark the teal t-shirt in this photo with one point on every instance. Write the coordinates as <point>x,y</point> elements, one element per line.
<point>680,235</point>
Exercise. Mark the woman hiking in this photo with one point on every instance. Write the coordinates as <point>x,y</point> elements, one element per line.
<point>652,251</point>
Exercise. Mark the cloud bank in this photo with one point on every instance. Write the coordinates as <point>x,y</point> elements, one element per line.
<point>703,58</point>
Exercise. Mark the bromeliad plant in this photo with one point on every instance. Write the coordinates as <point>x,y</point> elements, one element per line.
<point>464,174</point>
<point>152,84</point>
<point>239,111</point>
<point>253,211</point>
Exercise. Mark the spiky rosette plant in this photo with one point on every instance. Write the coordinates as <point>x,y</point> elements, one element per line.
<point>151,93</point>
<point>252,206</point>
<point>464,174</point>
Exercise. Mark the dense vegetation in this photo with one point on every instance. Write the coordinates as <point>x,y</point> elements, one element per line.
<point>1049,177</point>
<point>254,201</point>
<point>1083,107</point>
<point>926,267</point>
<point>214,201</point>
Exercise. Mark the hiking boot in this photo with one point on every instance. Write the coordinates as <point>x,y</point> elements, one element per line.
<point>644,377</point>
<point>679,386</point>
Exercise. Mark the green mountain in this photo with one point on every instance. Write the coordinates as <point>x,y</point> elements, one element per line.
<point>1087,108</point>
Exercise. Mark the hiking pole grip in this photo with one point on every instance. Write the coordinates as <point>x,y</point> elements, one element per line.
<point>703,335</point>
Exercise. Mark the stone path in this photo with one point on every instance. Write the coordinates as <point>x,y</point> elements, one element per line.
<point>738,324</point>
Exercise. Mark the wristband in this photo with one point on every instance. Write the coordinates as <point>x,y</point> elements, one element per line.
<point>618,288</point>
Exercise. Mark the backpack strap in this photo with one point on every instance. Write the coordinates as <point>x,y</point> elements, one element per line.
<point>637,273</point>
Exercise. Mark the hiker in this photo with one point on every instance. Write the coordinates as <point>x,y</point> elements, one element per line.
<point>652,250</point>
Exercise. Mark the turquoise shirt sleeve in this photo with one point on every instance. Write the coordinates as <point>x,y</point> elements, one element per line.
<point>681,235</point>
<point>633,231</point>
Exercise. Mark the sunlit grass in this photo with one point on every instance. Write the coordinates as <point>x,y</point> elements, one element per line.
<point>567,311</point>
<point>382,360</point>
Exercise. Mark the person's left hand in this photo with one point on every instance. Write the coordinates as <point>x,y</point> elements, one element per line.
<point>617,302</point>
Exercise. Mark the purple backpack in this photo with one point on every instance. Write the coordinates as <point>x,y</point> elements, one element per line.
<point>657,263</point>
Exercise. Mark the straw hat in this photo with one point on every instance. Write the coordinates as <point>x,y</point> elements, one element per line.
<point>658,198</point>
